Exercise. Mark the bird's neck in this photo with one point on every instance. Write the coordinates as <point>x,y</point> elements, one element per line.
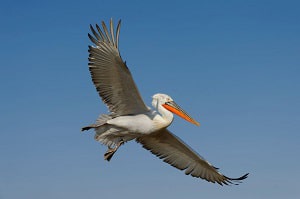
<point>166,115</point>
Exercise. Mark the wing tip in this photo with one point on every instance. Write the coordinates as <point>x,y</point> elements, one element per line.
<point>104,35</point>
<point>235,181</point>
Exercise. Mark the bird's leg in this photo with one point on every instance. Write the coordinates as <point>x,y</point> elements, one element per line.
<point>111,151</point>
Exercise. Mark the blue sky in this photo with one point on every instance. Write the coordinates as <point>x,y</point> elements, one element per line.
<point>233,65</point>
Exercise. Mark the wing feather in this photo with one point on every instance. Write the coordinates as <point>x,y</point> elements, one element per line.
<point>110,74</point>
<point>175,152</point>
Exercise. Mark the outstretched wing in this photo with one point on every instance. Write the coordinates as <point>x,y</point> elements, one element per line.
<point>110,74</point>
<point>175,152</point>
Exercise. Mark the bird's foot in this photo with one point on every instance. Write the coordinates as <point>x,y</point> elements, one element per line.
<point>109,154</point>
<point>111,151</point>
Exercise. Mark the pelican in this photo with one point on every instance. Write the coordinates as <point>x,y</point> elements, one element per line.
<point>131,119</point>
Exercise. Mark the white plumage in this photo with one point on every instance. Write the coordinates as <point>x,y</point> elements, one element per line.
<point>131,119</point>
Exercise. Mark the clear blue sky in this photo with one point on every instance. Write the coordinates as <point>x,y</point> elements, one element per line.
<point>233,65</point>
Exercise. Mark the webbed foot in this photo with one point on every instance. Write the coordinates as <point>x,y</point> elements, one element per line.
<point>111,151</point>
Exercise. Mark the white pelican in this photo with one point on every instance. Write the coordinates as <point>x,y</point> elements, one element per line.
<point>131,119</point>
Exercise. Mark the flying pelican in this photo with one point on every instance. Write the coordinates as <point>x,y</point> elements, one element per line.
<point>131,119</point>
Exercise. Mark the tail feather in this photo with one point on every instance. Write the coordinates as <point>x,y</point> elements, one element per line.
<point>108,134</point>
<point>86,128</point>
<point>99,122</point>
<point>102,119</point>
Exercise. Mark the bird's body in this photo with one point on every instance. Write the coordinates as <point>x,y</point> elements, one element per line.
<point>137,124</point>
<point>112,128</point>
<point>131,119</point>
<point>145,123</point>
<point>127,127</point>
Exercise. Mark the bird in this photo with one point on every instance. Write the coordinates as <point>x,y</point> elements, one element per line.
<point>130,118</point>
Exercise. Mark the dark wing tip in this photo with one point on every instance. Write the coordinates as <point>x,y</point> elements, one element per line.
<point>240,178</point>
<point>236,181</point>
<point>92,39</point>
<point>106,35</point>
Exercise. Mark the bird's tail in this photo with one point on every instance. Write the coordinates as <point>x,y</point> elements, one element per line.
<point>99,122</point>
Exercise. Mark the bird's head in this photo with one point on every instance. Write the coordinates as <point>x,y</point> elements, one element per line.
<point>168,103</point>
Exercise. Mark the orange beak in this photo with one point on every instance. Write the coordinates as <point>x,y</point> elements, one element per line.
<point>174,108</point>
